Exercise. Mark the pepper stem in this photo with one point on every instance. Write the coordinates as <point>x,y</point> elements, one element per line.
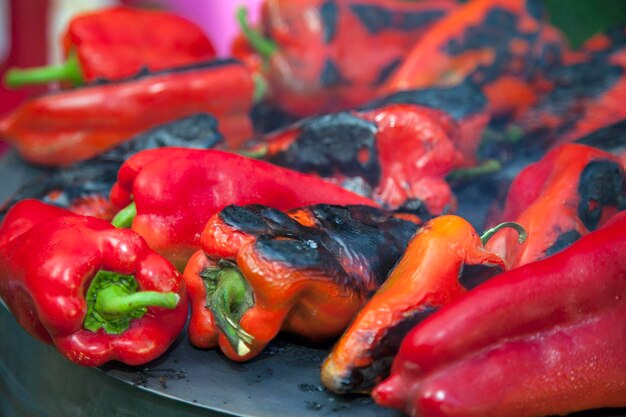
<point>260,152</point>
<point>113,300</point>
<point>488,167</point>
<point>264,46</point>
<point>124,218</point>
<point>228,297</point>
<point>522,234</point>
<point>68,71</point>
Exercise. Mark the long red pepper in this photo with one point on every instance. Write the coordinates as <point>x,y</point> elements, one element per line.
<point>175,191</point>
<point>119,42</point>
<point>72,125</point>
<point>97,292</point>
<point>543,339</point>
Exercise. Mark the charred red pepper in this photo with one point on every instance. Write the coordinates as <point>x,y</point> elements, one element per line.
<point>98,293</point>
<point>500,45</point>
<point>172,210</point>
<point>543,339</point>
<point>573,190</point>
<point>119,42</point>
<point>444,260</point>
<point>320,51</point>
<point>397,155</point>
<point>72,125</point>
<point>308,272</point>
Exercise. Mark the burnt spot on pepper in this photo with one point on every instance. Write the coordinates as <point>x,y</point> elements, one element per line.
<point>414,20</point>
<point>331,75</point>
<point>387,70</point>
<point>459,101</point>
<point>363,379</point>
<point>470,276</point>
<point>563,241</point>
<point>373,18</point>
<point>329,12</point>
<point>417,207</point>
<point>332,144</point>
<point>601,185</point>
<point>611,138</point>
<point>355,246</point>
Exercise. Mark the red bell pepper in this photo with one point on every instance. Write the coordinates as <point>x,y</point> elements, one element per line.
<point>397,155</point>
<point>174,192</point>
<point>319,53</point>
<point>307,271</point>
<point>444,260</point>
<point>98,293</point>
<point>72,125</point>
<point>119,42</point>
<point>500,45</point>
<point>573,190</point>
<point>543,339</point>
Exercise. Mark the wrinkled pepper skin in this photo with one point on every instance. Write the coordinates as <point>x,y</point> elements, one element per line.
<point>64,127</point>
<point>172,210</point>
<point>307,271</point>
<point>83,188</point>
<point>543,339</point>
<point>49,257</point>
<point>397,155</point>
<point>573,190</point>
<point>443,260</point>
<point>119,42</point>
<point>500,45</point>
<point>586,94</point>
<point>323,60</point>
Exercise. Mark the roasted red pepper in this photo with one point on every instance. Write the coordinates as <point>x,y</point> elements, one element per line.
<point>397,155</point>
<point>500,45</point>
<point>308,272</point>
<point>442,261</point>
<point>573,190</point>
<point>120,42</point>
<point>320,52</point>
<point>172,210</point>
<point>98,293</point>
<point>543,339</point>
<point>72,125</point>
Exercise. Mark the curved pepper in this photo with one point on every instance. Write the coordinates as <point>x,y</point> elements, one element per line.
<point>319,52</point>
<point>308,272</point>
<point>397,155</point>
<point>444,260</point>
<point>172,209</point>
<point>573,190</point>
<point>76,124</point>
<point>98,293</point>
<point>499,45</point>
<point>119,42</point>
<point>543,339</point>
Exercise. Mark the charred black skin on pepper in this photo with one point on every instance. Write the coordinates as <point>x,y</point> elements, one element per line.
<point>97,175</point>
<point>329,12</point>
<point>611,138</point>
<point>377,18</point>
<point>342,237</point>
<point>470,276</point>
<point>601,185</point>
<point>331,75</point>
<point>563,241</point>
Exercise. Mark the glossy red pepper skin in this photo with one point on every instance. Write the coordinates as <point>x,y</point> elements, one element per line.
<point>374,153</point>
<point>307,271</point>
<point>443,260</point>
<point>324,60</point>
<point>500,45</point>
<point>172,210</point>
<point>119,42</point>
<point>72,125</point>
<point>48,257</point>
<point>543,339</point>
<point>573,190</point>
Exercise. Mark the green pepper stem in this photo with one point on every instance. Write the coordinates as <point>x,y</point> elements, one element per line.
<point>260,88</point>
<point>229,297</point>
<point>256,154</point>
<point>68,71</point>
<point>464,174</point>
<point>522,234</point>
<point>264,46</point>
<point>112,302</point>
<point>124,218</point>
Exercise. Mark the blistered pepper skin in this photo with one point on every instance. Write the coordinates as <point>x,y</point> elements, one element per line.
<point>543,339</point>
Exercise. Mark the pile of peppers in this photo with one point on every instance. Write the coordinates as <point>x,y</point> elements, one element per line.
<point>168,202</point>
